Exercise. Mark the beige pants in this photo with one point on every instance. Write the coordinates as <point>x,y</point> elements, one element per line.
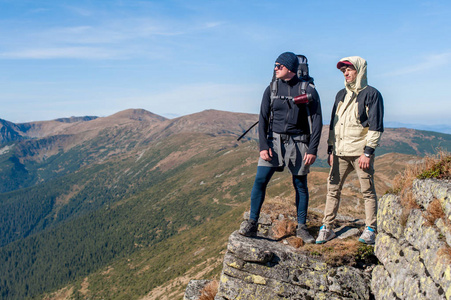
<point>341,167</point>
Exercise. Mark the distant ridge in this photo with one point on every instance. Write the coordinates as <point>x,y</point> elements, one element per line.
<point>442,128</point>
<point>138,114</point>
<point>76,119</point>
<point>149,126</point>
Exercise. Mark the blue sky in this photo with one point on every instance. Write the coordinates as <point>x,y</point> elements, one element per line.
<point>61,58</point>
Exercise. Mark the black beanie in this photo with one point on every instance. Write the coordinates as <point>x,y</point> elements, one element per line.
<point>289,60</point>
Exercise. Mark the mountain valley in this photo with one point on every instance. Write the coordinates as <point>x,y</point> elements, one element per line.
<point>130,205</point>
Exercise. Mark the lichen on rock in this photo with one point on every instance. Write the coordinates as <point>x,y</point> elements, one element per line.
<point>415,256</point>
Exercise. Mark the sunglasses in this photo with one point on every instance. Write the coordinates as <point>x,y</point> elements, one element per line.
<point>278,66</point>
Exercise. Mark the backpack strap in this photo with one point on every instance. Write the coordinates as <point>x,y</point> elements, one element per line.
<point>303,87</point>
<point>303,90</point>
<point>274,89</point>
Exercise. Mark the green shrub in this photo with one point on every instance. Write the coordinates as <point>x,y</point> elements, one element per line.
<point>365,252</point>
<point>440,170</point>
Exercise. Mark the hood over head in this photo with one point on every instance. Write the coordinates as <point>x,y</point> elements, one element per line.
<point>359,64</point>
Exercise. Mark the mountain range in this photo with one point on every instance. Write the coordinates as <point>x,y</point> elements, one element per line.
<point>442,128</point>
<point>129,204</point>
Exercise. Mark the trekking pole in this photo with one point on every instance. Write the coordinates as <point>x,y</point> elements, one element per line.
<point>241,136</point>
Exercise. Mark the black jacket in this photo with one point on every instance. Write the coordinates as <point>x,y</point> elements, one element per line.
<point>290,118</point>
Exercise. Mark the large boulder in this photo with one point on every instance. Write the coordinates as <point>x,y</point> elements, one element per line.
<point>261,268</point>
<point>413,244</point>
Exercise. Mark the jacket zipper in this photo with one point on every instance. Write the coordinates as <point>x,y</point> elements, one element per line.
<point>288,111</point>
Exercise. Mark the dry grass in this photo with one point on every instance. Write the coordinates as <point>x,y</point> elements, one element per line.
<point>404,180</point>
<point>434,212</point>
<point>408,203</point>
<point>436,166</point>
<point>295,242</point>
<point>432,166</point>
<point>440,167</point>
<point>435,209</point>
<point>445,253</point>
<point>209,291</point>
<point>283,228</point>
<point>336,252</point>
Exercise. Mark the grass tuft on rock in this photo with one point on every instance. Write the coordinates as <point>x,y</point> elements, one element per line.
<point>436,166</point>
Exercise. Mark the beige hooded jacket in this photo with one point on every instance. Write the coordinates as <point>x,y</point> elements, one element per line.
<point>347,135</point>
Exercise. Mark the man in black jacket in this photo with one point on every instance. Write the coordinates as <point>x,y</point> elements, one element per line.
<point>289,136</point>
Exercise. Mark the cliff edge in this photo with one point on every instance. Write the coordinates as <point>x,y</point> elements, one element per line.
<point>265,269</point>
<point>413,247</point>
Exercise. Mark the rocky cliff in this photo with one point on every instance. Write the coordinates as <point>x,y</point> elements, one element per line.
<point>412,246</point>
<point>264,269</point>
<point>277,265</point>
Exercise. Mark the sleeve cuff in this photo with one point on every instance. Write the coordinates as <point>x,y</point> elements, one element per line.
<point>330,149</point>
<point>368,150</point>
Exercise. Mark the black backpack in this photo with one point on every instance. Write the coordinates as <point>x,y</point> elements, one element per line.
<point>303,75</point>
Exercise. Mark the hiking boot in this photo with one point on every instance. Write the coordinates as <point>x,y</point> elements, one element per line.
<point>325,235</point>
<point>248,228</point>
<point>368,236</point>
<point>301,232</point>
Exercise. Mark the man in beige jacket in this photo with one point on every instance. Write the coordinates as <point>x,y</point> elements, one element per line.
<point>355,130</point>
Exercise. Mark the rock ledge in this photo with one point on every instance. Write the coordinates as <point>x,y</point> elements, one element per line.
<point>261,268</point>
